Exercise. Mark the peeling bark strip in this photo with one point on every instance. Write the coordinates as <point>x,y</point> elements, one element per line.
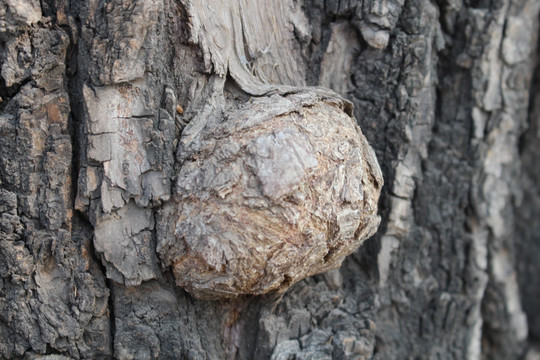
<point>250,40</point>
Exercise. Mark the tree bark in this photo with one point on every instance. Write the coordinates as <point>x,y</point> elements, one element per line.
<point>109,109</point>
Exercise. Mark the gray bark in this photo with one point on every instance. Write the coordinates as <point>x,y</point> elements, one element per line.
<point>118,119</point>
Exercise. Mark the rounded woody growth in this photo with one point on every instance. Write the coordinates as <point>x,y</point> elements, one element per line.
<point>282,188</point>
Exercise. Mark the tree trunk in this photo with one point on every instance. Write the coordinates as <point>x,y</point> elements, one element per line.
<point>111,111</point>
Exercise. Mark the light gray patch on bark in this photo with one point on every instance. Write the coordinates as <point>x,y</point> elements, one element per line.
<point>125,241</point>
<point>17,14</point>
<point>340,53</point>
<point>239,37</point>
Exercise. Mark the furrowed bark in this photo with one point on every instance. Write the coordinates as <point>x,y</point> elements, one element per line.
<point>100,98</point>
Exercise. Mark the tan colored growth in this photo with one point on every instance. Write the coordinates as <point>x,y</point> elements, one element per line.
<point>282,188</point>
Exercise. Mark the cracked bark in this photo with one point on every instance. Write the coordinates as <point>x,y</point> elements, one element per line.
<point>100,98</point>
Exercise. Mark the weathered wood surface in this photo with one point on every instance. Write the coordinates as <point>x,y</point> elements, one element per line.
<point>281,188</point>
<point>92,153</point>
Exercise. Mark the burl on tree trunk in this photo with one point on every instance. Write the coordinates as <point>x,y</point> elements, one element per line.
<point>280,188</point>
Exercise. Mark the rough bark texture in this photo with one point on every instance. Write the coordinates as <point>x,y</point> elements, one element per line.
<point>100,98</point>
<point>273,192</point>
